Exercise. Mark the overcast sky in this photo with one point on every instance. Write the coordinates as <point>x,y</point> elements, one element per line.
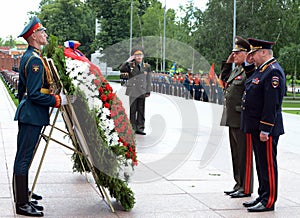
<point>13,13</point>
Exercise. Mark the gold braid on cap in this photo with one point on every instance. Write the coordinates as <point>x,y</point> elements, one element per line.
<point>240,48</point>
<point>255,47</point>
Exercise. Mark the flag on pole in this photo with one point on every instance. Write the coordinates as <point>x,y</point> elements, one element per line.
<point>173,70</point>
<point>213,77</point>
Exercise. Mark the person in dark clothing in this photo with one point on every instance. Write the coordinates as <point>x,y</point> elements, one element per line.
<point>35,97</point>
<point>138,87</point>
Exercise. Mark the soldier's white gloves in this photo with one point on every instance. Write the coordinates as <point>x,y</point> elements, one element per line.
<point>63,98</point>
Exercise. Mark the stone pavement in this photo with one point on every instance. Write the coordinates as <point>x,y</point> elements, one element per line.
<point>184,167</point>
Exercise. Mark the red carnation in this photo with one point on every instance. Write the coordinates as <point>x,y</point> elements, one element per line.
<point>110,96</point>
<point>107,105</point>
<point>97,82</point>
<point>100,90</point>
<point>107,86</point>
<point>103,97</point>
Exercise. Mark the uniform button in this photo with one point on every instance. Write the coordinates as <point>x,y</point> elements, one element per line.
<point>243,108</point>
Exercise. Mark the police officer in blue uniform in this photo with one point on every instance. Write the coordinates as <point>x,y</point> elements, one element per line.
<point>32,114</point>
<point>262,118</point>
<point>138,87</point>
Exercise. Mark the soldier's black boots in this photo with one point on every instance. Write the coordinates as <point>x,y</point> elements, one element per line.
<point>28,210</point>
<point>35,196</point>
<point>23,206</point>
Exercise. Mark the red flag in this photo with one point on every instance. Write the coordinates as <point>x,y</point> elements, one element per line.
<point>212,75</point>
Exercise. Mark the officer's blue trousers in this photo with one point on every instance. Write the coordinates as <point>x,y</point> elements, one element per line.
<point>266,166</point>
<point>28,136</point>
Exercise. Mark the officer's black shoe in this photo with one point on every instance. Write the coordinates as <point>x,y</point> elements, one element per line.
<point>140,132</point>
<point>36,205</point>
<point>28,210</point>
<point>239,194</point>
<point>259,207</point>
<point>229,192</point>
<point>35,196</point>
<point>251,203</point>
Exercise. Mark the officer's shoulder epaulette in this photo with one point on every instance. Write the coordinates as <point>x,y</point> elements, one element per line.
<point>146,65</point>
<point>267,65</point>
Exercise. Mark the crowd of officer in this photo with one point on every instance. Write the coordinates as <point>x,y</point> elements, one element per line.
<point>190,86</point>
<point>11,79</point>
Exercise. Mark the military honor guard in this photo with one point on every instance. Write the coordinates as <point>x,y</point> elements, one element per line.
<point>138,87</point>
<point>262,119</point>
<point>32,114</point>
<point>241,155</point>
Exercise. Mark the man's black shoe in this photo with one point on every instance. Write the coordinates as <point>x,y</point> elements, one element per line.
<point>251,203</point>
<point>28,210</point>
<point>259,207</point>
<point>229,192</point>
<point>239,194</point>
<point>140,132</point>
<point>36,205</point>
<point>35,196</point>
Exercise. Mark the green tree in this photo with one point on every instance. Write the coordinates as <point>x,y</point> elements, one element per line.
<point>69,20</point>
<point>114,20</point>
<point>289,58</point>
<point>213,36</point>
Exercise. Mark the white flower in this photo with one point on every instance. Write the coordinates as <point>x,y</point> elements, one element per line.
<point>114,138</point>
<point>110,124</point>
<point>90,103</point>
<point>98,103</point>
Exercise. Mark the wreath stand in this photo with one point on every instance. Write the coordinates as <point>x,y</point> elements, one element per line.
<point>74,131</point>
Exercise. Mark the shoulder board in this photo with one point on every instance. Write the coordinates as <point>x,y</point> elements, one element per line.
<point>146,65</point>
<point>36,55</point>
<point>267,65</point>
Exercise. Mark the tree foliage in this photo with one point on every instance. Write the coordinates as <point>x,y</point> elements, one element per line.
<point>210,32</point>
<point>69,20</point>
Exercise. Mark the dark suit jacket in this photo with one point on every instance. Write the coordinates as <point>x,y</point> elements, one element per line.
<point>264,91</point>
<point>139,81</point>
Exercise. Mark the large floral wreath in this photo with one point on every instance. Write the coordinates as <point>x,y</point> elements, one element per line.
<point>81,77</point>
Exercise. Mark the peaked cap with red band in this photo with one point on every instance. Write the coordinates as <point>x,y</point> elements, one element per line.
<point>33,26</point>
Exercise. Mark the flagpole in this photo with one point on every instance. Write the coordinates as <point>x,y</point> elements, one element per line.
<point>234,22</point>
<point>164,43</point>
<point>234,26</point>
<point>131,9</point>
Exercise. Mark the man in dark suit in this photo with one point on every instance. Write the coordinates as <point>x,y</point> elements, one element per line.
<point>233,91</point>
<point>262,119</point>
<point>138,88</point>
<point>32,114</point>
